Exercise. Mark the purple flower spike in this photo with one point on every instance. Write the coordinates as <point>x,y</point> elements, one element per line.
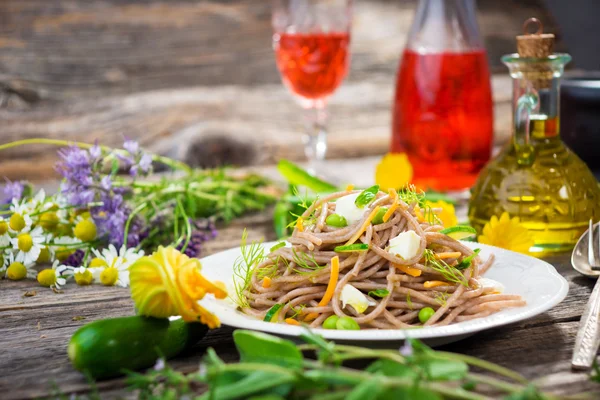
<point>13,190</point>
<point>131,146</point>
<point>95,151</point>
<point>145,162</point>
<point>406,350</point>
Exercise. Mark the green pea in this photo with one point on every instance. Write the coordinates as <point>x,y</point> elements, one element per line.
<point>378,218</point>
<point>336,220</point>
<point>330,322</point>
<point>425,313</point>
<point>347,324</point>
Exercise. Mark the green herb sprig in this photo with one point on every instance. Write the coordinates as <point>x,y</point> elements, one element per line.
<point>274,368</point>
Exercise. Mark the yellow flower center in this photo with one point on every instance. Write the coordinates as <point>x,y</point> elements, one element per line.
<point>84,278</point>
<point>16,222</point>
<point>62,253</point>
<point>97,262</point>
<point>49,221</point>
<point>109,276</point>
<point>85,230</point>
<point>3,227</point>
<point>24,242</point>
<point>16,271</point>
<point>47,277</point>
<point>44,256</point>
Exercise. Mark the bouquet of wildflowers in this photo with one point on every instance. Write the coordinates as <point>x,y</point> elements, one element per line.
<point>102,220</point>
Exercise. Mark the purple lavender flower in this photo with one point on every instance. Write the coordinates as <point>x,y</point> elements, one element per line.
<point>406,350</point>
<point>75,259</point>
<point>95,151</point>
<point>205,232</point>
<point>131,146</point>
<point>145,162</point>
<point>13,190</point>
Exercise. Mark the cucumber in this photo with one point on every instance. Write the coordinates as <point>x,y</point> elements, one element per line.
<point>110,347</point>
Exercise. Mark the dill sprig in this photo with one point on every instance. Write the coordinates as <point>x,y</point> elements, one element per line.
<point>442,298</point>
<point>299,309</point>
<point>306,261</point>
<point>449,273</point>
<point>411,195</point>
<point>252,255</point>
<point>409,301</point>
<point>302,204</point>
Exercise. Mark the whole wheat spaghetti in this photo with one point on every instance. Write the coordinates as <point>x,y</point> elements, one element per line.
<point>304,283</point>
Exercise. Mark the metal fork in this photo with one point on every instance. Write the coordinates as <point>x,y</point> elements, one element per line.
<point>594,264</point>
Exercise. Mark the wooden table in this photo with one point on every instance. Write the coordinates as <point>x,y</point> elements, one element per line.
<point>34,330</point>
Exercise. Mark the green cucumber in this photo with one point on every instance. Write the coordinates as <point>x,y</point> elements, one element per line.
<point>110,347</point>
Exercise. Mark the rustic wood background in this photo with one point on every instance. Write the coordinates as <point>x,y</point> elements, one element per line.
<point>197,80</point>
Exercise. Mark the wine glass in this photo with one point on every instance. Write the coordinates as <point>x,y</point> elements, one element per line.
<point>311,40</point>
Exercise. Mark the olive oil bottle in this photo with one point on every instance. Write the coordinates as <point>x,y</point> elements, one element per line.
<point>536,177</point>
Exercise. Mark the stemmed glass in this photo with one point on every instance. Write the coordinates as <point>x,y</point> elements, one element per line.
<point>311,40</point>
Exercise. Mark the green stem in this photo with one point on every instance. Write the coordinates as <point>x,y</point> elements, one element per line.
<point>177,165</point>
<point>485,365</point>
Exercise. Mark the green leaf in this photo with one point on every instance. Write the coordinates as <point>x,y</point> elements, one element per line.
<point>529,393</point>
<point>366,196</point>
<point>326,349</point>
<point>267,349</point>
<point>369,389</point>
<point>298,176</point>
<point>466,262</point>
<point>437,196</point>
<point>595,376</point>
<point>392,368</point>
<point>411,393</point>
<point>115,166</point>
<point>351,247</point>
<point>379,293</point>
<point>442,369</point>
<point>256,383</point>
<point>267,397</point>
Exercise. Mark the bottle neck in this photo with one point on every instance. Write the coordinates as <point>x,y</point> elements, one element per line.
<point>445,25</point>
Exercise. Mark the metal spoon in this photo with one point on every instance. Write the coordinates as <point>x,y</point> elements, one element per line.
<point>588,334</point>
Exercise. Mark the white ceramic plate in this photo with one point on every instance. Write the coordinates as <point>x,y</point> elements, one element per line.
<point>535,280</point>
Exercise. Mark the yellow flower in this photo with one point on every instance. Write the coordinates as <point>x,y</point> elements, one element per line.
<point>394,171</point>
<point>85,230</point>
<point>507,233</point>
<point>447,215</point>
<point>169,283</point>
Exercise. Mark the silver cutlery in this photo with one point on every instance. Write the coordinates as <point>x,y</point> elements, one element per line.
<point>585,262</point>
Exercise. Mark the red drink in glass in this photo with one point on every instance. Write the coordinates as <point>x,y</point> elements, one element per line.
<point>312,64</point>
<point>442,117</point>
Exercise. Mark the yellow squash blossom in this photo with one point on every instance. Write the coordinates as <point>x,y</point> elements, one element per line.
<point>169,283</point>
<point>507,233</point>
<point>394,171</point>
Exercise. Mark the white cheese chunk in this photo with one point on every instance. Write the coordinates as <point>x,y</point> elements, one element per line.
<point>345,207</point>
<point>354,297</point>
<point>405,245</point>
<point>490,285</point>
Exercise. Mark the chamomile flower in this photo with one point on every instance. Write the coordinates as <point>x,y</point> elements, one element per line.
<point>4,236</point>
<point>16,270</point>
<point>35,201</point>
<point>116,271</point>
<point>83,276</point>
<point>20,219</point>
<point>28,245</point>
<point>56,276</point>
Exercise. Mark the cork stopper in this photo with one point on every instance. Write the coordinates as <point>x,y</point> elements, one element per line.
<point>536,45</point>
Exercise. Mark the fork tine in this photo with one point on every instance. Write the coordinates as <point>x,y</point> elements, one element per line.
<point>591,253</point>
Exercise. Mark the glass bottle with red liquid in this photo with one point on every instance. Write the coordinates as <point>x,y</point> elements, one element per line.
<point>443,108</point>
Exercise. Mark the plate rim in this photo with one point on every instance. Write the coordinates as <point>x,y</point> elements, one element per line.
<point>388,335</point>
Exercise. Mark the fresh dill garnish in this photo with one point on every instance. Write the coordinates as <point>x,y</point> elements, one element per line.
<point>467,261</point>
<point>409,301</point>
<point>449,273</point>
<point>252,255</point>
<point>304,202</point>
<point>306,261</point>
<point>411,195</point>
<point>269,270</point>
<point>442,298</point>
<point>299,309</point>
<point>277,246</point>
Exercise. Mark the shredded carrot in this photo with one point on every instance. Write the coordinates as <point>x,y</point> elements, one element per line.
<point>333,278</point>
<point>450,254</point>
<point>349,188</point>
<point>364,227</point>
<point>299,224</point>
<point>292,321</point>
<point>432,284</point>
<point>419,214</point>
<point>266,282</point>
<point>393,207</point>
<point>409,270</point>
